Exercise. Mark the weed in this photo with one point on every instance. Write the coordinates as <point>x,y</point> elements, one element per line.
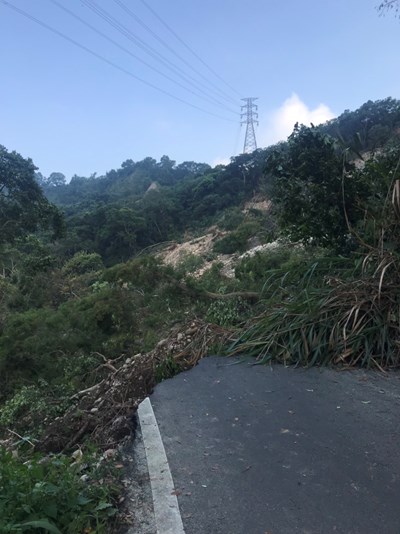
<point>188,263</point>
<point>227,312</point>
<point>167,369</point>
<point>49,493</point>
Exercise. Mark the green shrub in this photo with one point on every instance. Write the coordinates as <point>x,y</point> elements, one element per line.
<point>230,244</point>
<point>255,269</point>
<point>237,241</point>
<point>248,229</point>
<point>8,294</point>
<point>143,273</point>
<point>212,280</point>
<point>40,342</point>
<point>287,263</point>
<point>257,266</point>
<point>231,219</point>
<point>82,263</point>
<point>227,312</point>
<point>167,369</point>
<point>188,263</point>
<point>28,407</point>
<point>48,493</point>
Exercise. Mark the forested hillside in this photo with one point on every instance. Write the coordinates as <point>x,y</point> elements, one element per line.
<point>148,202</point>
<point>82,291</point>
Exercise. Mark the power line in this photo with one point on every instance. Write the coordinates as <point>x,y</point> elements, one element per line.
<point>102,13</point>
<point>171,49</point>
<point>188,47</point>
<point>109,62</point>
<point>87,24</point>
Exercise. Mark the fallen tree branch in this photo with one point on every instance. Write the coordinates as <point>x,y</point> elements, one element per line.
<point>87,390</point>
<point>246,295</point>
<point>21,437</point>
<point>198,293</point>
<point>77,436</point>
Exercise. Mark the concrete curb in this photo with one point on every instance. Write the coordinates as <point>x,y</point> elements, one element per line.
<point>166,508</point>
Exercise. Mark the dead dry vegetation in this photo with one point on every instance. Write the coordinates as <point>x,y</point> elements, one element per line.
<point>105,412</point>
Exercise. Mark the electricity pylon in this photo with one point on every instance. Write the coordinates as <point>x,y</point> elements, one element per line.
<point>250,115</point>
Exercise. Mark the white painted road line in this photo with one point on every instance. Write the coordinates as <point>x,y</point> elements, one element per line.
<point>166,508</point>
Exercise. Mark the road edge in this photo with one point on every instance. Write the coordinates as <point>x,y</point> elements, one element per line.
<point>166,508</point>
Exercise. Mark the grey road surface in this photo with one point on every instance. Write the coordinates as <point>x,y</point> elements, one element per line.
<point>258,449</point>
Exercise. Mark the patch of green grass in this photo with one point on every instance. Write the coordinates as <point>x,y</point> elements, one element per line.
<point>227,312</point>
<point>236,241</point>
<point>167,369</point>
<point>188,263</point>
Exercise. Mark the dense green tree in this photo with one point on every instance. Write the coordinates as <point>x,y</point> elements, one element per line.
<point>315,198</point>
<point>161,215</point>
<point>380,222</point>
<point>166,171</point>
<point>56,179</point>
<point>110,230</point>
<point>193,168</point>
<point>117,238</point>
<point>371,125</point>
<point>23,206</point>
<point>248,167</point>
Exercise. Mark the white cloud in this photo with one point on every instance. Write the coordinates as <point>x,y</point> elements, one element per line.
<point>279,124</point>
<point>220,161</point>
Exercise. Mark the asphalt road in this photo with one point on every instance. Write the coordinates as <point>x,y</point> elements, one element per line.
<point>256,450</point>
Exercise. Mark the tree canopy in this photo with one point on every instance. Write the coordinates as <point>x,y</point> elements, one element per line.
<point>312,196</point>
<point>389,5</point>
<point>23,205</point>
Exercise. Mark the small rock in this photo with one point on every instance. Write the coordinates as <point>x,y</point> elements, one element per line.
<point>77,455</point>
<point>84,478</point>
<point>179,337</point>
<point>94,410</point>
<point>109,453</point>
<point>190,331</point>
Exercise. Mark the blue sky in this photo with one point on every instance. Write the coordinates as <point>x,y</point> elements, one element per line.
<point>73,113</point>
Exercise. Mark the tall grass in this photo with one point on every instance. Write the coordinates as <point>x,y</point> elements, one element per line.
<point>340,311</point>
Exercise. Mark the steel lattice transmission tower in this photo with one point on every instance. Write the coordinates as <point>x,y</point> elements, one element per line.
<point>250,116</point>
